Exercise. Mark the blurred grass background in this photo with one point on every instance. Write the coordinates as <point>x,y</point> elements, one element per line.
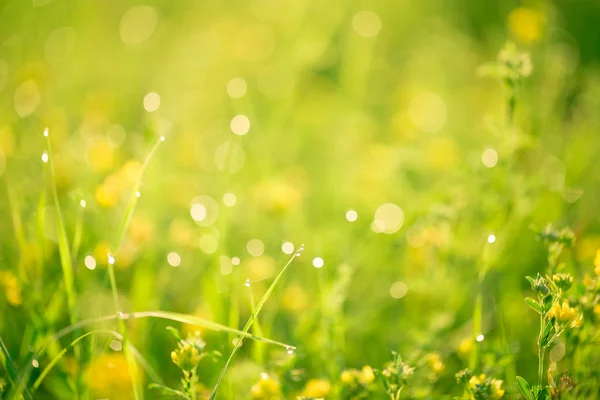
<point>345,105</point>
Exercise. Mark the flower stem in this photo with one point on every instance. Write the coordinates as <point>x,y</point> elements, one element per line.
<point>540,346</point>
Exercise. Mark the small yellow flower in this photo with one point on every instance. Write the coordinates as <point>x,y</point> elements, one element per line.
<point>367,375</point>
<point>107,195</point>
<point>526,24</point>
<point>597,311</point>
<point>435,362</point>
<point>348,376</point>
<point>597,263</point>
<point>465,346</point>
<point>266,389</point>
<point>496,390</point>
<point>317,388</point>
<point>476,380</point>
<point>109,375</point>
<point>12,288</point>
<point>294,298</point>
<point>565,314</point>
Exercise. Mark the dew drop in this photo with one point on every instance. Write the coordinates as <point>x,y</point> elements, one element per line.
<point>46,132</point>
<point>247,283</point>
<point>111,259</point>
<point>45,157</point>
<point>289,350</point>
<point>35,363</point>
<point>137,194</point>
<point>120,315</point>
<point>264,376</point>
<point>82,203</point>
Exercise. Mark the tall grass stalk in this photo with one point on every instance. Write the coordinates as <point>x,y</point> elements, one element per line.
<point>138,393</point>
<point>252,318</point>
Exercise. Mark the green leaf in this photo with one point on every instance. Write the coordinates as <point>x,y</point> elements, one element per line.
<point>531,281</point>
<point>175,333</point>
<point>534,304</point>
<point>548,301</point>
<point>524,388</point>
<point>544,394</point>
<point>546,334</point>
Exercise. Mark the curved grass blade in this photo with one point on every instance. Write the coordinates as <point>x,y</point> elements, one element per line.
<point>12,372</point>
<point>153,375</point>
<point>251,320</point>
<point>171,316</point>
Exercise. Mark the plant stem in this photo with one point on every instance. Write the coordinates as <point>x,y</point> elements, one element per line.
<point>540,347</point>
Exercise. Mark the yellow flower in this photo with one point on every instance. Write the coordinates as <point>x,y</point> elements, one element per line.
<point>367,376</point>
<point>108,375</point>
<point>597,263</point>
<point>476,380</point>
<point>526,24</point>
<point>565,314</point>
<point>496,390</point>
<point>266,389</point>
<point>141,230</point>
<point>101,155</point>
<point>597,311</point>
<point>435,362</point>
<point>12,288</point>
<point>317,388</point>
<point>348,376</point>
<point>465,346</point>
<point>107,195</point>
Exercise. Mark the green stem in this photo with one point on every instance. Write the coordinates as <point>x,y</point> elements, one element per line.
<point>540,347</point>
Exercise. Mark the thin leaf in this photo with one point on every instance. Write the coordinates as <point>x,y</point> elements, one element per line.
<point>251,320</point>
<point>531,281</point>
<point>534,304</point>
<point>167,391</point>
<point>524,388</point>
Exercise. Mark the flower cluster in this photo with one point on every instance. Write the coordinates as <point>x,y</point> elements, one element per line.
<point>480,387</point>
<point>395,375</point>
<point>357,384</point>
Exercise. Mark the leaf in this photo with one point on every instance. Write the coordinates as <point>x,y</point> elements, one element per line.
<point>175,333</point>
<point>544,394</point>
<point>524,388</point>
<point>531,281</point>
<point>548,301</point>
<point>534,304</point>
<point>546,335</point>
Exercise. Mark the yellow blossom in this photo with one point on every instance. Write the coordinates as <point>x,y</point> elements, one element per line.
<point>317,388</point>
<point>367,376</point>
<point>476,380</point>
<point>435,362</point>
<point>565,313</point>
<point>526,24</point>
<point>465,346</point>
<point>101,155</point>
<point>107,195</point>
<point>496,390</point>
<point>597,263</point>
<point>108,375</point>
<point>12,288</point>
<point>597,311</point>
<point>266,389</point>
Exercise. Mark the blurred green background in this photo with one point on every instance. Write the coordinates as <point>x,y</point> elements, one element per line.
<point>279,118</point>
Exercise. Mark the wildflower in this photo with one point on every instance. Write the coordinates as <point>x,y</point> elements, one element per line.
<point>12,288</point>
<point>367,375</point>
<point>563,281</point>
<point>266,388</point>
<point>464,376</point>
<point>597,263</point>
<point>526,24</point>
<point>435,362</point>
<point>187,354</point>
<point>465,346</point>
<point>597,311</point>
<point>109,374</point>
<point>565,314</point>
<point>541,286</point>
<point>515,63</point>
<point>317,388</point>
<point>496,390</point>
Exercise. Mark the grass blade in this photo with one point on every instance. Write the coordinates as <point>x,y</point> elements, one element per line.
<point>251,320</point>
<point>111,271</point>
<point>63,242</point>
